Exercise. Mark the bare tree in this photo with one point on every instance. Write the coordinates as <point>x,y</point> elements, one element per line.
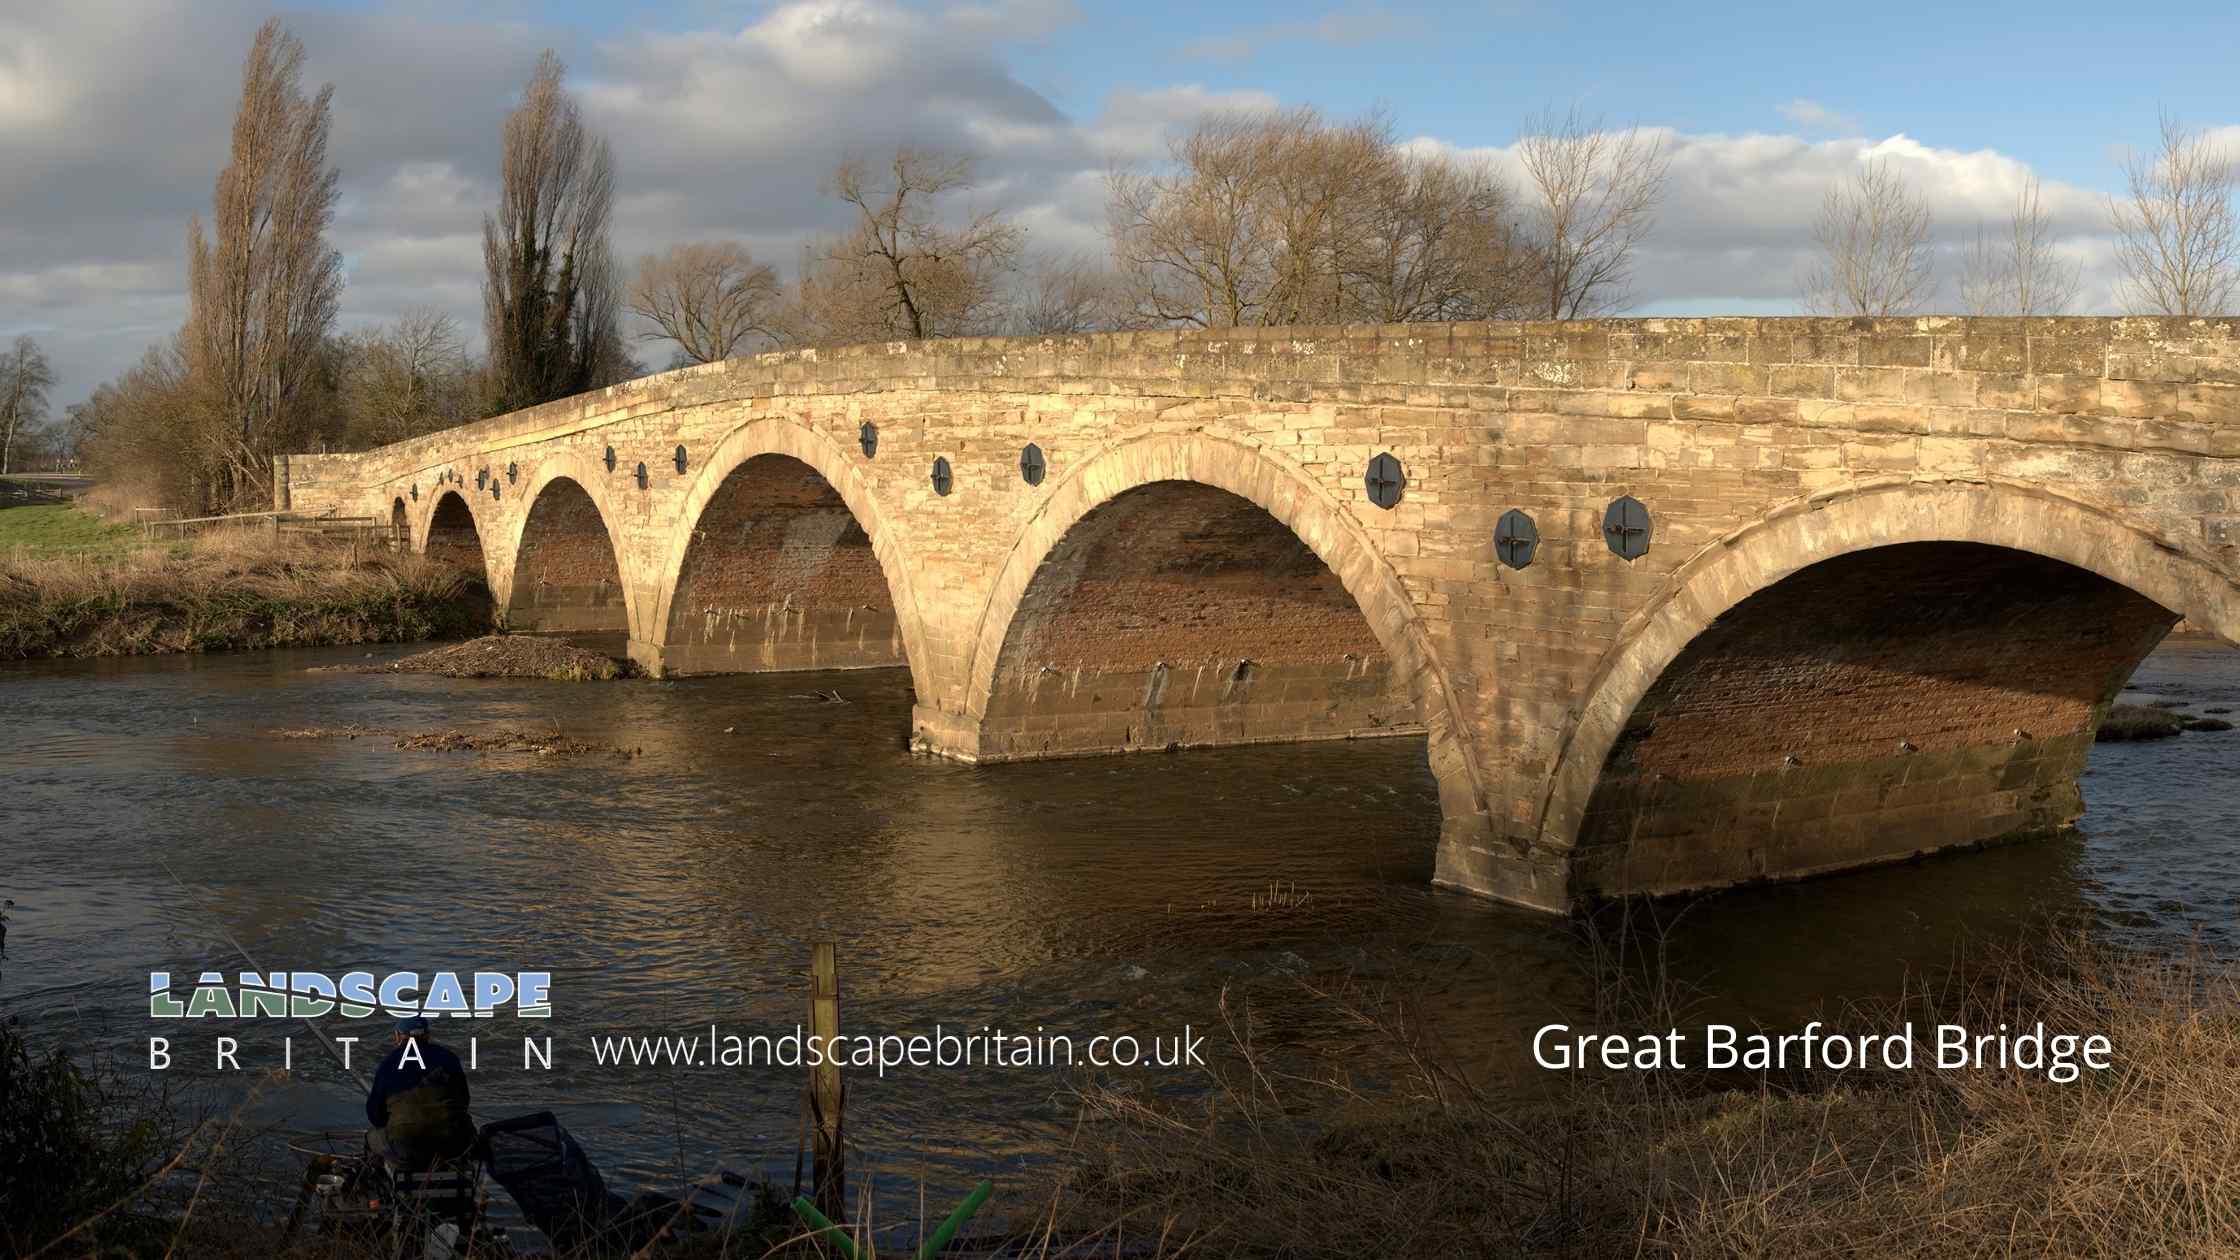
<point>1594,196</point>
<point>25,378</point>
<point>1284,218</point>
<point>1061,295</point>
<point>1245,226</point>
<point>402,380</point>
<point>1197,245</point>
<point>2177,237</point>
<point>1433,238</point>
<point>709,297</point>
<point>2018,272</point>
<point>1873,234</point>
<point>263,284</point>
<point>900,272</point>
<point>548,293</point>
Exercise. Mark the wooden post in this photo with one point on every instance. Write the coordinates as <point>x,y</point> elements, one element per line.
<point>827,1097</point>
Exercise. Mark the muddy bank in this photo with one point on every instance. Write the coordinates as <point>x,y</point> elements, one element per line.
<point>492,739</point>
<point>503,656</point>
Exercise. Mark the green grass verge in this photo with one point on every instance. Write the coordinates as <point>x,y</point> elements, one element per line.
<point>62,529</point>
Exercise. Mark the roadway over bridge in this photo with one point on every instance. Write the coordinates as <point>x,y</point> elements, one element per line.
<point>1676,603</point>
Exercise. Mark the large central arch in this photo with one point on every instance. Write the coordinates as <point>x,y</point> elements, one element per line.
<point>1958,573</point>
<point>752,460</point>
<point>1302,506</point>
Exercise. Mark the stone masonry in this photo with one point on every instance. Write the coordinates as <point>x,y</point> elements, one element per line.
<point>1895,570</point>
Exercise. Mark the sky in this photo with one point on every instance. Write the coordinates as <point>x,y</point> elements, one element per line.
<point>114,117</point>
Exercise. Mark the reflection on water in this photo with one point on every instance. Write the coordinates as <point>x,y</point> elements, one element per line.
<point>681,887</point>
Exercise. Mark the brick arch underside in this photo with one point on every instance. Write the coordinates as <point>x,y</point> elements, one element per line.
<point>779,575</point>
<point>454,537</point>
<point>1180,614</point>
<point>566,578</point>
<point>1869,707</point>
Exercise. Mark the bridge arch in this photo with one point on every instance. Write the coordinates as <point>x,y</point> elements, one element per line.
<point>1305,509</point>
<point>2125,582</point>
<point>566,547</point>
<point>453,532</point>
<point>781,450</point>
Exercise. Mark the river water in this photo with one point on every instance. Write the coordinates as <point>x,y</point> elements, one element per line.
<point>682,887</point>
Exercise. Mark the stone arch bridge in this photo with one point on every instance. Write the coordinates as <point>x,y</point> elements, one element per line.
<point>1675,603</point>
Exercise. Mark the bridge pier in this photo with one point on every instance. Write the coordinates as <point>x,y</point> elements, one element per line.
<point>652,659</point>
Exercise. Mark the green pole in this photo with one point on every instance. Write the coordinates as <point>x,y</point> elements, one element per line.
<point>819,1227</point>
<point>948,1230</point>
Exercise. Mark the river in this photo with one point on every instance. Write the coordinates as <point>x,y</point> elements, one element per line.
<point>682,887</point>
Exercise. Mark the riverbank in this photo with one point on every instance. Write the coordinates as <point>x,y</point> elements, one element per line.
<point>2131,1161</point>
<point>1923,1162</point>
<point>229,591</point>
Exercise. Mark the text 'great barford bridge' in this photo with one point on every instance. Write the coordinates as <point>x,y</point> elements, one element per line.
<point>1676,603</point>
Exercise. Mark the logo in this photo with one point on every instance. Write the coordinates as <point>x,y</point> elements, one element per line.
<point>356,995</point>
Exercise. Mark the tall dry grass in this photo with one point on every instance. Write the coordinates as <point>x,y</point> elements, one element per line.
<point>228,590</point>
<point>2139,1161</point>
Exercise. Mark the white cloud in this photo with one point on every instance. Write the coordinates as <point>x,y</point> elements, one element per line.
<point>1734,235</point>
<point>1813,117</point>
<point>1135,125</point>
<point>1341,27</point>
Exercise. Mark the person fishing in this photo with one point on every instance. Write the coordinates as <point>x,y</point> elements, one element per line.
<point>417,1108</point>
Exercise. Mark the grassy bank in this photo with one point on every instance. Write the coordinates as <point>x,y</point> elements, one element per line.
<point>227,591</point>
<point>49,530</point>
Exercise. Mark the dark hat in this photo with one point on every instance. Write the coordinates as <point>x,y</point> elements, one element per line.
<point>411,1024</point>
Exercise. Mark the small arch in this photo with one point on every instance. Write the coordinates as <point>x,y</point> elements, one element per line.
<point>454,536</point>
<point>803,573</point>
<point>400,526</point>
<point>1940,564</point>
